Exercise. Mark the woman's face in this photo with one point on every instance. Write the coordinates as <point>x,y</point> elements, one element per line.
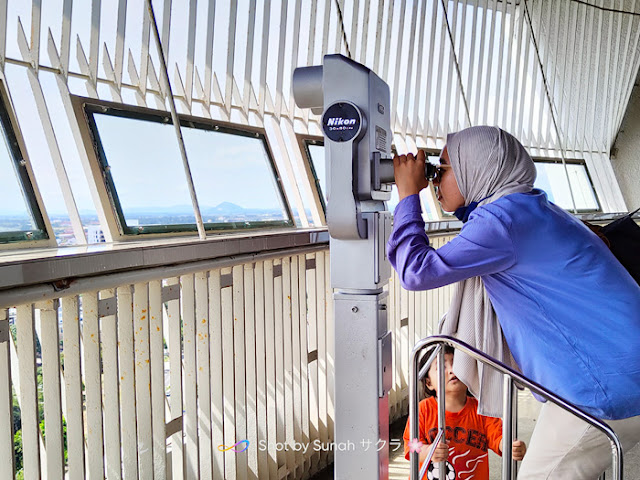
<point>447,189</point>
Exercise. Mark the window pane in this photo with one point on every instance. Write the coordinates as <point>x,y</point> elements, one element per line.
<point>20,217</point>
<point>14,211</point>
<point>553,180</point>
<point>233,177</point>
<point>145,165</point>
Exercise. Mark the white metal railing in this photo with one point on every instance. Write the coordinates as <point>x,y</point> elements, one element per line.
<point>149,372</point>
<point>510,376</point>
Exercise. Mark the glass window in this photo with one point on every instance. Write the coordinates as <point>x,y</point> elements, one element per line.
<point>233,176</point>
<point>20,217</point>
<point>553,180</point>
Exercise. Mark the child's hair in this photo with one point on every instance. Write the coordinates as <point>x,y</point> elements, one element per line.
<point>429,392</point>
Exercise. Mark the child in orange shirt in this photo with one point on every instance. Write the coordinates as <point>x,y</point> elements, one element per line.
<point>468,434</point>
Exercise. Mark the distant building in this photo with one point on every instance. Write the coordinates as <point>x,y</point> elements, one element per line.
<point>94,234</point>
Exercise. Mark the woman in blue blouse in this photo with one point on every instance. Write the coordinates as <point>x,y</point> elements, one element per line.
<point>570,313</point>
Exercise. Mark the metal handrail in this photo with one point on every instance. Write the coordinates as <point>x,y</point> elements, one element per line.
<point>438,341</point>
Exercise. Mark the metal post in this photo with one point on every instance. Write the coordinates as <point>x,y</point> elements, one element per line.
<point>507,428</point>
<point>442,466</point>
<point>414,427</point>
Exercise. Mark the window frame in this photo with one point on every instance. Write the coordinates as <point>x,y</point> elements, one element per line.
<point>574,161</point>
<point>42,235</point>
<point>87,107</point>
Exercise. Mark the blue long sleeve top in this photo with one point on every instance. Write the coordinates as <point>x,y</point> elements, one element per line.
<point>569,310</point>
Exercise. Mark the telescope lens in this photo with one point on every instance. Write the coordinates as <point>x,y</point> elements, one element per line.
<point>430,171</point>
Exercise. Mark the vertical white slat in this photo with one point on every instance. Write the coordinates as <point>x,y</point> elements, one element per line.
<point>93,384</point>
<point>270,369</point>
<point>576,107</point>
<point>321,304</point>
<point>261,366</point>
<point>430,129</point>
<point>354,7</point>
<point>476,116</point>
<point>438,131</point>
<point>143,378</point>
<point>377,52</point>
<point>296,405</point>
<point>203,375</point>
<point>36,20</point>
<point>190,405</point>
<point>554,59</point>
<point>158,398</point>
<point>524,134</point>
<point>511,125</point>
<point>485,98</point>
<point>109,340</point>
<point>250,340</point>
<point>240,367</point>
<point>144,56</point>
<point>452,85</point>
<point>417,128</point>
<point>7,460</point>
<point>312,336</point>
<point>409,70</point>
<point>50,344</point>
<point>512,12</point>
<point>365,32</point>
<point>396,78</point>
<point>303,356</point>
<point>94,44</point>
<point>634,54</point>
<point>174,337</point>
<point>118,60</point>
<point>339,46</point>
<point>248,64</point>
<point>266,20</point>
<point>501,48</point>
<point>570,85</point>
<point>615,67</point>
<point>73,387</point>
<point>558,98</point>
<point>288,363</point>
<point>208,62</point>
<point>389,30</point>
<point>228,96</point>
<point>294,60</point>
<point>216,362</point>
<point>127,383</point>
<point>545,58</point>
<point>279,362</point>
<point>228,374</point>
<point>3,33</point>
<point>330,335</point>
<point>191,51</point>
<point>26,347</point>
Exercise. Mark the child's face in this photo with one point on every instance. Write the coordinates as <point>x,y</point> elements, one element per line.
<point>453,385</point>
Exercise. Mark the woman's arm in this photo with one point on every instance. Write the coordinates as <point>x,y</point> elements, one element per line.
<point>482,247</point>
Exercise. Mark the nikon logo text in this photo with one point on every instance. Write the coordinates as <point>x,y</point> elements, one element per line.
<point>338,121</point>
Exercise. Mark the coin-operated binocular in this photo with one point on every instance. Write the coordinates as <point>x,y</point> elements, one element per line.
<point>354,103</point>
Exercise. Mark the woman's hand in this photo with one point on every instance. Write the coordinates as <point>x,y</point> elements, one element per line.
<point>409,173</point>
<point>518,449</point>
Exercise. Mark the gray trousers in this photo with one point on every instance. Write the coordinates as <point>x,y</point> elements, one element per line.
<point>564,447</point>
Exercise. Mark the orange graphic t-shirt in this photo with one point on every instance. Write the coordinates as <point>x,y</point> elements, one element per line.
<point>469,436</point>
